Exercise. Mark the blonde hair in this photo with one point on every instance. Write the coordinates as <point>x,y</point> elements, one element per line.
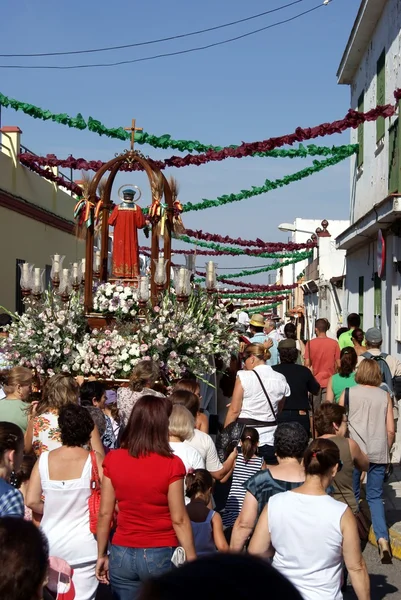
<point>61,389</point>
<point>145,372</point>
<point>181,423</point>
<point>369,373</point>
<point>257,350</point>
<point>14,377</point>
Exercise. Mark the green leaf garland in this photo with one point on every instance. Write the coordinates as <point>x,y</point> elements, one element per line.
<point>269,185</point>
<point>263,308</point>
<point>248,251</point>
<point>164,141</point>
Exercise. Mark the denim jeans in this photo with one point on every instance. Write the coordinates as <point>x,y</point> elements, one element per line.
<point>374,497</point>
<point>130,567</point>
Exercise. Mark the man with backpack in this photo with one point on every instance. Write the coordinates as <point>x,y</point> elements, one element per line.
<point>390,366</point>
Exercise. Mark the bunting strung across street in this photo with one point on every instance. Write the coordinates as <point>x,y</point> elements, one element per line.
<point>80,164</point>
<point>210,153</point>
<point>248,251</point>
<point>221,200</point>
<point>262,309</point>
<point>268,246</point>
<point>245,294</point>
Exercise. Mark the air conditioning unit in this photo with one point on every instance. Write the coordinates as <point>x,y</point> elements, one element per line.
<point>397,319</point>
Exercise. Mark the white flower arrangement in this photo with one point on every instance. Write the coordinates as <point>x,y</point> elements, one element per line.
<point>51,336</point>
<point>116,299</point>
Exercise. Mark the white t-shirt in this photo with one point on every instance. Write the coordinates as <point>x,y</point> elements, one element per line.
<point>255,404</point>
<point>313,563</point>
<point>189,456</point>
<point>203,443</point>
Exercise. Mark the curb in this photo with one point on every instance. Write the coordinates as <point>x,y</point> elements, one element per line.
<point>395,542</point>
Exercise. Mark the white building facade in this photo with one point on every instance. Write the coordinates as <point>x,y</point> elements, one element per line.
<point>371,67</point>
<point>323,275</point>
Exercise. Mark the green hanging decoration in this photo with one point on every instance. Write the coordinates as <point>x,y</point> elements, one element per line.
<point>247,251</point>
<point>164,141</point>
<point>239,274</point>
<point>250,295</point>
<point>262,309</point>
<point>269,185</point>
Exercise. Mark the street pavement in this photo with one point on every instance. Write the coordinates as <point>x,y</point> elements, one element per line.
<point>385,580</point>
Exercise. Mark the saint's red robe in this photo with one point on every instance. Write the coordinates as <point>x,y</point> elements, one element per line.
<point>126,222</point>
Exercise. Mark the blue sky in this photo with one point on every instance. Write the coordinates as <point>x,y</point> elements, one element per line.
<point>261,86</point>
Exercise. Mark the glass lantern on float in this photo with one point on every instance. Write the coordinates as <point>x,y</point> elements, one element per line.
<point>76,275</point>
<point>38,282</point>
<point>160,276</point>
<point>211,280</point>
<point>190,260</point>
<point>182,283</point>
<point>26,278</point>
<point>96,264</point>
<point>57,266</point>
<point>143,292</point>
<point>65,286</point>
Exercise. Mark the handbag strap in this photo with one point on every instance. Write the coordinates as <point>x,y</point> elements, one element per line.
<point>346,400</point>
<point>95,478</point>
<point>267,396</point>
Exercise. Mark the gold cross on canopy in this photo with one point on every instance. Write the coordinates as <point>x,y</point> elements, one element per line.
<point>132,129</point>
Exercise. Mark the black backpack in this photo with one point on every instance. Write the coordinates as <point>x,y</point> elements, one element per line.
<point>393,383</point>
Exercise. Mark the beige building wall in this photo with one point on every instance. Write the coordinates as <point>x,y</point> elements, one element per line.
<point>26,237</point>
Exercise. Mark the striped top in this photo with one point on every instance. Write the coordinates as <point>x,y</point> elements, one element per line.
<point>242,472</point>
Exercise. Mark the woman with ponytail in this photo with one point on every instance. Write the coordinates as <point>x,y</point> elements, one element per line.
<point>309,534</point>
<point>345,378</point>
<point>247,464</point>
<point>207,526</point>
<point>258,398</point>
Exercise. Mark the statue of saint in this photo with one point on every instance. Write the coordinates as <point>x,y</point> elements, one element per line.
<point>126,219</point>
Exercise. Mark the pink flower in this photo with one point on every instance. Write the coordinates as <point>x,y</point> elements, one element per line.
<point>156,309</point>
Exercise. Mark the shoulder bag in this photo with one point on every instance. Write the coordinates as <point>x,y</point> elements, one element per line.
<point>228,439</point>
<point>268,423</point>
<point>94,498</point>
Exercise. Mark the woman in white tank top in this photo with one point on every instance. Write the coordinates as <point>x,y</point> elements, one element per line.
<point>62,478</point>
<point>309,533</point>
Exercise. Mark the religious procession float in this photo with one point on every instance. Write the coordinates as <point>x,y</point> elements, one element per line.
<point>100,319</point>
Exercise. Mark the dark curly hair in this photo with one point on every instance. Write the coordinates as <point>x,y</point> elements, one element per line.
<point>288,355</point>
<point>24,555</point>
<point>91,390</point>
<point>290,440</point>
<point>76,425</point>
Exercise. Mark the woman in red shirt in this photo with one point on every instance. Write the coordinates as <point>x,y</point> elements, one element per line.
<point>147,480</point>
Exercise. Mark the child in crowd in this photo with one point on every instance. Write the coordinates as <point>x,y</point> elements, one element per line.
<point>207,525</point>
<point>22,480</point>
<point>112,435</point>
<point>247,464</point>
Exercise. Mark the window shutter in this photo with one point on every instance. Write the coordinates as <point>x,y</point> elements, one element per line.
<point>393,157</point>
<point>381,94</point>
<point>360,131</point>
<point>361,286</point>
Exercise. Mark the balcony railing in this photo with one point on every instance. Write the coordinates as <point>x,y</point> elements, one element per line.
<point>312,270</point>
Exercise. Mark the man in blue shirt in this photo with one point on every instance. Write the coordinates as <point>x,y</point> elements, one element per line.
<point>257,327</point>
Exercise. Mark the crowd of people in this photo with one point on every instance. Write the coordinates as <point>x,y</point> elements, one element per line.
<point>118,487</point>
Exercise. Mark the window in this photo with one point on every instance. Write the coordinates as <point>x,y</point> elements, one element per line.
<point>360,299</point>
<point>393,157</point>
<point>377,300</point>
<point>360,131</point>
<point>19,305</point>
<point>381,94</point>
